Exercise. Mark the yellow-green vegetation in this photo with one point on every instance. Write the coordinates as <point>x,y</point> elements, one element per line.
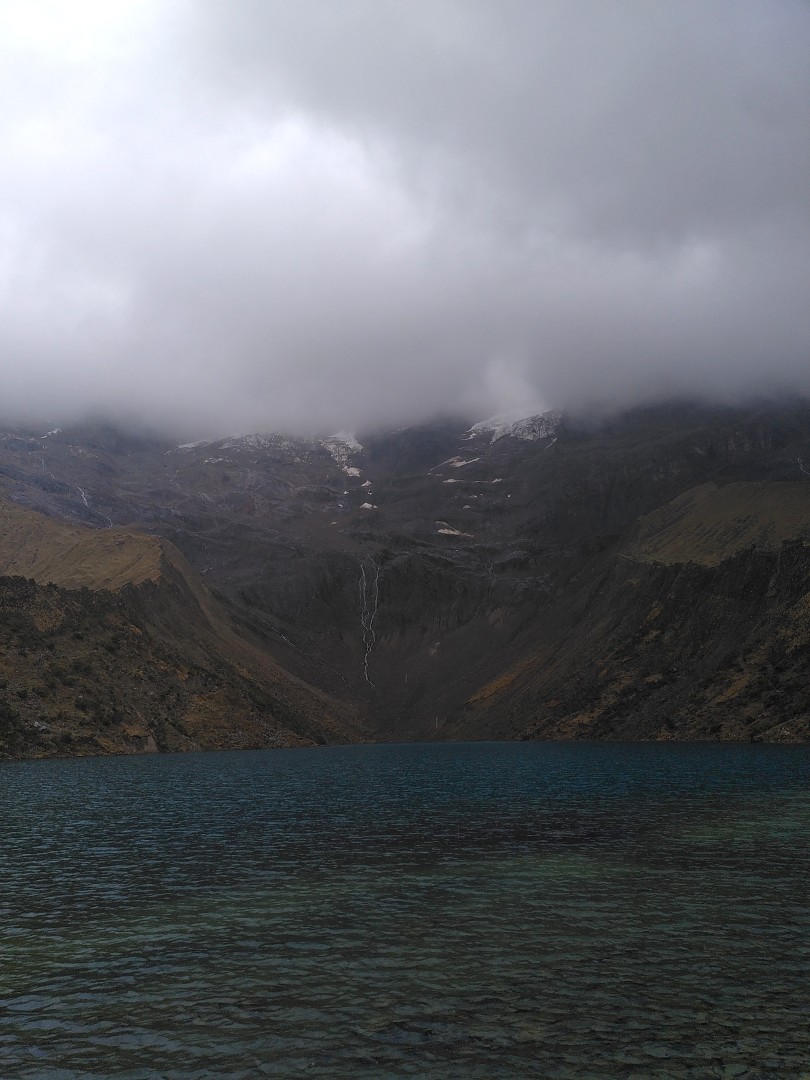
<point>709,523</point>
<point>35,546</point>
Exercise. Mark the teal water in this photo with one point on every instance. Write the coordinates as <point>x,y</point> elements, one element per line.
<point>449,912</point>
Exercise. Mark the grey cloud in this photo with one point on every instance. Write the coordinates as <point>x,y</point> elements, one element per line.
<point>232,216</point>
<point>640,120</point>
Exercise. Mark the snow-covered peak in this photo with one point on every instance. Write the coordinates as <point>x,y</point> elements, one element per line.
<point>257,441</point>
<point>341,446</point>
<point>531,428</point>
<point>271,440</point>
<point>252,443</point>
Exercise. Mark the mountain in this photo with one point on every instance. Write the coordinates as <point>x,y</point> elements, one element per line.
<point>110,643</point>
<point>521,577</point>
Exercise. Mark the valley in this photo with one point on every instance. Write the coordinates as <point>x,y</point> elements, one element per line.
<point>643,577</point>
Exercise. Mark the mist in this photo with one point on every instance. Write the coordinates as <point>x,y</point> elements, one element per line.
<point>226,217</point>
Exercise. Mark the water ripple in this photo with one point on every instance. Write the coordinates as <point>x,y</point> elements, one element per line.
<point>442,912</point>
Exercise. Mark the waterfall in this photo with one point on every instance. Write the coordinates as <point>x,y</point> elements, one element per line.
<point>369,603</point>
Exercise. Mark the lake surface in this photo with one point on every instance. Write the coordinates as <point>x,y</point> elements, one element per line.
<point>457,911</point>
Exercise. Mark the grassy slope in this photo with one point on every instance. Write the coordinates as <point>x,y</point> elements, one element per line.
<point>709,523</point>
<point>35,546</point>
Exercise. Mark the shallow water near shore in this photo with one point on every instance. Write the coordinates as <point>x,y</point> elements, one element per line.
<point>439,911</point>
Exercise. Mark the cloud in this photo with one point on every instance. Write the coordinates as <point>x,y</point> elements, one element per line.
<point>219,217</point>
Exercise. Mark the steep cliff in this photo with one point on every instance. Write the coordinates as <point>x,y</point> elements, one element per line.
<point>679,651</point>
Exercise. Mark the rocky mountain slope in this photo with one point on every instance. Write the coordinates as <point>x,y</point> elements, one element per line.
<point>645,577</point>
<point>109,643</point>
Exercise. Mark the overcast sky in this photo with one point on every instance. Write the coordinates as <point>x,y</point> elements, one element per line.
<point>234,215</point>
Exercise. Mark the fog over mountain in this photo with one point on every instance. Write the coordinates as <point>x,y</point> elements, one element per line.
<point>262,214</point>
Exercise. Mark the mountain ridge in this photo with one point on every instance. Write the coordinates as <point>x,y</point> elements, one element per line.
<point>443,581</point>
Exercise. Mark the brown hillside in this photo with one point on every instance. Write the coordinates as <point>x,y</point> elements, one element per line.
<point>110,642</point>
<point>35,546</point>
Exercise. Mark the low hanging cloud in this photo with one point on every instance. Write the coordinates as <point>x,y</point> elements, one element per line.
<point>220,216</point>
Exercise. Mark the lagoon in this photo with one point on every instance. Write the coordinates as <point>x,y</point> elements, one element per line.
<point>451,911</point>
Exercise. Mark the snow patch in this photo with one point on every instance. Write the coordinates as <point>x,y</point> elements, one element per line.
<point>350,471</point>
<point>445,529</point>
<point>190,445</point>
<point>368,506</point>
<point>341,446</point>
<point>530,428</point>
<point>454,463</point>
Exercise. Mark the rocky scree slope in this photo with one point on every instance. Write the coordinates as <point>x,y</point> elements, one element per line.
<point>518,578</point>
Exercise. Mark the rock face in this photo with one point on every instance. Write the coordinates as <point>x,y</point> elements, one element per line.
<point>518,578</point>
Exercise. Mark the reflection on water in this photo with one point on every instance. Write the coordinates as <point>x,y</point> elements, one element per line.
<point>448,912</point>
